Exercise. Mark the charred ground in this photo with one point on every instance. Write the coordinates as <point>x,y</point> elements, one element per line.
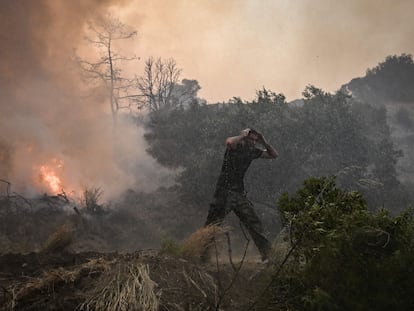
<point>60,255</point>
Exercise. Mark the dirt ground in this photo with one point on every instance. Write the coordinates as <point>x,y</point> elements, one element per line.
<point>56,255</point>
<point>105,281</point>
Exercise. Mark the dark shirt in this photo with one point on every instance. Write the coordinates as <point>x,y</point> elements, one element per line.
<point>235,164</point>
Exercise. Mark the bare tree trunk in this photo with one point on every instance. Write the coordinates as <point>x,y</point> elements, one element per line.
<point>105,70</point>
<point>158,83</point>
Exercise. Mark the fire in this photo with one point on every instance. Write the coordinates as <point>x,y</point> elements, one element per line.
<point>49,175</point>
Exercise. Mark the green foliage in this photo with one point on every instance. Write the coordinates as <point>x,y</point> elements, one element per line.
<point>347,258</point>
<point>325,136</point>
<point>391,79</point>
<point>171,247</point>
<point>402,117</point>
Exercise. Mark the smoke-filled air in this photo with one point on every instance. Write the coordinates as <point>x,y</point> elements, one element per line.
<point>206,155</point>
<point>56,128</point>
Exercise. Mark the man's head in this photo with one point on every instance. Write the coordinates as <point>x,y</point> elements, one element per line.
<point>252,137</point>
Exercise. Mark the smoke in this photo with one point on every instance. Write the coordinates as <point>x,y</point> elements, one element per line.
<point>45,119</point>
<point>282,45</point>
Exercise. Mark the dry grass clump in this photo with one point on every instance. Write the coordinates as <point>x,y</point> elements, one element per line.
<point>200,242</point>
<point>128,287</point>
<point>54,278</point>
<point>47,282</point>
<point>59,240</point>
<point>191,288</point>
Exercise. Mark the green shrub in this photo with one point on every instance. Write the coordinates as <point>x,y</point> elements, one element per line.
<point>171,247</point>
<point>346,257</point>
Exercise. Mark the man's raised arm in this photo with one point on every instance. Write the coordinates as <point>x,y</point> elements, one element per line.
<point>231,142</point>
<point>270,152</point>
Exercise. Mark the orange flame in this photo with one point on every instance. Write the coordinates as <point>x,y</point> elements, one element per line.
<point>48,175</point>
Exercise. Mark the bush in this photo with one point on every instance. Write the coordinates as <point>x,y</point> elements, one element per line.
<point>346,257</point>
<point>198,245</point>
<point>59,240</point>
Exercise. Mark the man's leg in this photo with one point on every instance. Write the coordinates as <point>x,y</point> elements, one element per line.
<point>244,209</point>
<point>216,215</point>
<point>217,211</point>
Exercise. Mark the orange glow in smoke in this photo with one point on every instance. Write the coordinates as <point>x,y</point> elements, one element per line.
<point>49,176</point>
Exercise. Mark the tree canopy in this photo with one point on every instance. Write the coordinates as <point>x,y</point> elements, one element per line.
<point>327,135</point>
<point>390,80</point>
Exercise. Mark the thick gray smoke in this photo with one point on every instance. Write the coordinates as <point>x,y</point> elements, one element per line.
<point>52,137</point>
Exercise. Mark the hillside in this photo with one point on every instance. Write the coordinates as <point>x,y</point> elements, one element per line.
<point>389,85</point>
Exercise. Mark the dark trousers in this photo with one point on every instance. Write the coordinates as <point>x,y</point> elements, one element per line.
<point>243,208</point>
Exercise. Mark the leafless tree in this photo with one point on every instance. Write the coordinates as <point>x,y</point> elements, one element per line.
<point>106,69</point>
<point>158,83</point>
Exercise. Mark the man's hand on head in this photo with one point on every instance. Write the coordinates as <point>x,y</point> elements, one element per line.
<point>245,132</point>
<point>260,138</point>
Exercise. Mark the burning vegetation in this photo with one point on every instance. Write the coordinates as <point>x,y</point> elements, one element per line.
<point>49,176</point>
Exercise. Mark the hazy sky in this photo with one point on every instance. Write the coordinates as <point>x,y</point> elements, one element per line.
<point>235,47</point>
<point>232,47</point>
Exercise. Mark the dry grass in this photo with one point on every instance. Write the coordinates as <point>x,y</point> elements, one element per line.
<point>129,287</point>
<point>54,278</point>
<point>59,240</point>
<point>185,286</point>
<point>90,200</point>
<point>198,243</point>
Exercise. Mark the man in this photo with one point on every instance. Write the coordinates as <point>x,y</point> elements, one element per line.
<point>230,194</point>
